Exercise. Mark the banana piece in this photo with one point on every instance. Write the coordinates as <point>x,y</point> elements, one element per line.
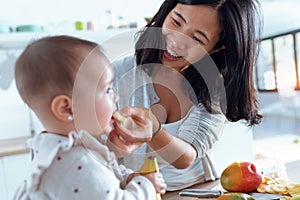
<point>150,166</point>
<point>294,190</point>
<point>279,186</point>
<point>120,118</point>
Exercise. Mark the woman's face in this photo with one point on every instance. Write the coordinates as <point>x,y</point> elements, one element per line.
<point>190,31</point>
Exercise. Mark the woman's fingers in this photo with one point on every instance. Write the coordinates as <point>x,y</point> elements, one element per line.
<point>119,146</point>
<point>116,145</point>
<point>125,134</point>
<point>133,132</point>
<point>142,116</point>
<point>139,114</point>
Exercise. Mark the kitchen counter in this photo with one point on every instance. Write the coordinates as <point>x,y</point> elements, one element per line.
<point>13,146</point>
<point>292,169</point>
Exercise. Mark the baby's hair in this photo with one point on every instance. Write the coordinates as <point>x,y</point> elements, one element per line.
<point>49,65</point>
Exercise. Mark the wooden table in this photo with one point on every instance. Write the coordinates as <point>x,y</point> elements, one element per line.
<point>292,169</point>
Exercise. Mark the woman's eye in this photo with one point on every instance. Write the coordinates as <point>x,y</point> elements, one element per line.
<point>176,22</point>
<point>198,40</point>
<point>109,90</point>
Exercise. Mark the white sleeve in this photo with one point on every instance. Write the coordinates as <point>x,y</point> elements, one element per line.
<point>201,129</point>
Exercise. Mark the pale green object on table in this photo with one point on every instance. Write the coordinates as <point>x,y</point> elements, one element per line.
<point>79,25</point>
<point>5,28</point>
<point>29,28</point>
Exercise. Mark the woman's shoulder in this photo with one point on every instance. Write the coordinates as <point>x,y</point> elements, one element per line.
<point>127,59</point>
<point>124,64</point>
<point>199,114</point>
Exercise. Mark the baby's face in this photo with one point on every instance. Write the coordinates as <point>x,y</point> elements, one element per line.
<point>93,96</point>
<point>105,100</point>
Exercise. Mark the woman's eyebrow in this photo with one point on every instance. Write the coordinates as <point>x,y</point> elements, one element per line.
<point>198,31</point>
<point>203,34</point>
<point>180,16</point>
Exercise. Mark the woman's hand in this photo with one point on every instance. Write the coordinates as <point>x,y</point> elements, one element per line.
<point>131,134</point>
<point>139,125</point>
<point>120,147</point>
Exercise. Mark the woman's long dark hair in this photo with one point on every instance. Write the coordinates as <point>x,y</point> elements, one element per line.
<point>240,36</point>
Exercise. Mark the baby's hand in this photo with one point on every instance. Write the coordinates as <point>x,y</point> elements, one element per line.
<point>158,182</point>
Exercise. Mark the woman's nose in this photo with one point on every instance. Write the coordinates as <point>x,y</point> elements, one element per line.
<point>178,41</point>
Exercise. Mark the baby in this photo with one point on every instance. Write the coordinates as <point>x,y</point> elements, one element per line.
<point>68,82</point>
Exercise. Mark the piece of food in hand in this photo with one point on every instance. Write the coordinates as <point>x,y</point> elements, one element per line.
<point>240,177</point>
<point>235,196</point>
<point>150,165</point>
<point>120,118</point>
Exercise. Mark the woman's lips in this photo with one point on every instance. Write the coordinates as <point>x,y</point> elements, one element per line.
<point>170,57</point>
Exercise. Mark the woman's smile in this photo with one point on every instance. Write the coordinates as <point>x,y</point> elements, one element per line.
<point>171,55</point>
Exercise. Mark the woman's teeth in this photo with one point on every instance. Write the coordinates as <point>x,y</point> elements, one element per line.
<point>172,53</point>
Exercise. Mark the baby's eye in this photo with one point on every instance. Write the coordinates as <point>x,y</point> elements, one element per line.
<point>109,90</point>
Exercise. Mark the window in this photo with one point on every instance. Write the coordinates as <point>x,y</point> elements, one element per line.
<point>278,62</point>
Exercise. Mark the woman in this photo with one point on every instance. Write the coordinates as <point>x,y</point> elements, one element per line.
<point>190,60</point>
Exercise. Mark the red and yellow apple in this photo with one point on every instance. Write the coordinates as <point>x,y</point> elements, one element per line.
<point>240,177</point>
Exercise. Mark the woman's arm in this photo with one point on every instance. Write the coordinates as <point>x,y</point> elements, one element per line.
<point>195,138</point>
<point>173,150</point>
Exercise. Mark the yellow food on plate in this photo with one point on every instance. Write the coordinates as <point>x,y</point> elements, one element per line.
<point>120,118</point>
<point>294,190</point>
<point>279,186</point>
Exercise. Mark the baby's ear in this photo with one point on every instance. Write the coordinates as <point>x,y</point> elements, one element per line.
<point>61,107</point>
